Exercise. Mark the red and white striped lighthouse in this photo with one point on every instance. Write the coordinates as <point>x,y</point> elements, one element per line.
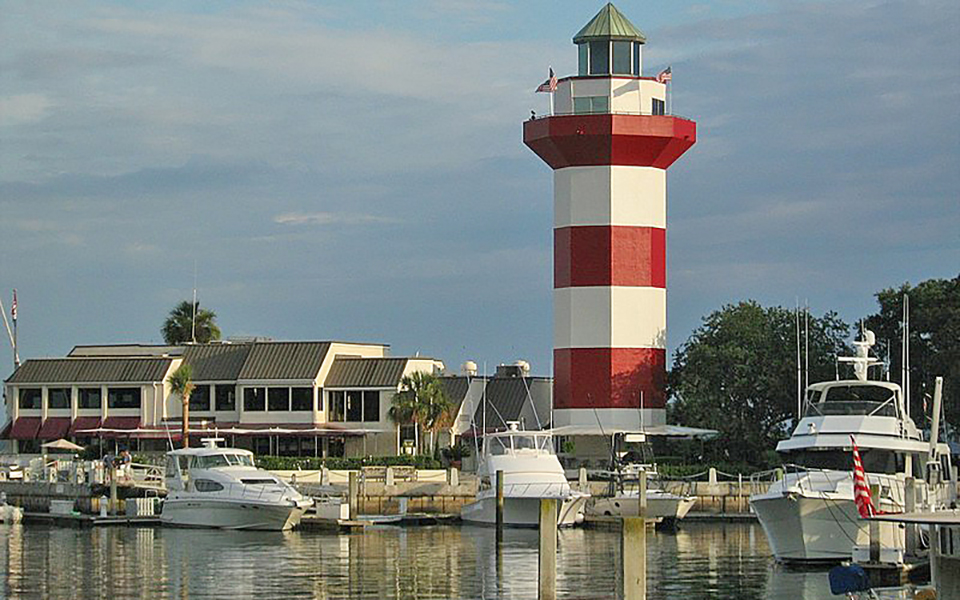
<point>609,143</point>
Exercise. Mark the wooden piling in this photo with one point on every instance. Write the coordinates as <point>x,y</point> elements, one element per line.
<point>499,506</point>
<point>910,505</point>
<point>633,548</point>
<point>114,502</point>
<point>353,492</point>
<point>875,526</point>
<point>548,549</point>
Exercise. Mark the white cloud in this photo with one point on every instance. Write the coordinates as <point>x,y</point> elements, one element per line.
<point>327,218</point>
<point>21,109</point>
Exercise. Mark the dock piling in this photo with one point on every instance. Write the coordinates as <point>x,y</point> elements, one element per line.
<point>875,526</point>
<point>582,479</point>
<point>633,547</point>
<point>499,506</point>
<point>910,505</point>
<point>114,503</point>
<point>548,549</point>
<point>353,491</point>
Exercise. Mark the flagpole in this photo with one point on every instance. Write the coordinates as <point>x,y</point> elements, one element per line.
<point>6,324</point>
<point>16,353</point>
<point>551,104</point>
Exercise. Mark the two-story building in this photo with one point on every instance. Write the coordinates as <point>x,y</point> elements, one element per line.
<point>288,398</point>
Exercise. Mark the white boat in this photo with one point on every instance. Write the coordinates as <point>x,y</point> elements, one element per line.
<point>662,506</point>
<point>809,514</point>
<point>221,488</point>
<point>531,471</point>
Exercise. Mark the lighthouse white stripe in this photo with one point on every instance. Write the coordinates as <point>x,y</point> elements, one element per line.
<point>609,317</point>
<point>610,195</point>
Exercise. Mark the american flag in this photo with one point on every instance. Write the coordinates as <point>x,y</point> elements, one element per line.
<point>665,75</point>
<point>861,491</point>
<point>550,85</point>
<point>13,307</point>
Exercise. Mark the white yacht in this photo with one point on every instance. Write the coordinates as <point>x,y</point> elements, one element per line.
<point>531,471</point>
<point>662,506</point>
<point>221,488</point>
<point>809,514</point>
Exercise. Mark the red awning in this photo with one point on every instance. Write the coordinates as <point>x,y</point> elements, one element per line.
<point>121,423</point>
<point>25,428</point>
<point>81,423</point>
<point>54,428</point>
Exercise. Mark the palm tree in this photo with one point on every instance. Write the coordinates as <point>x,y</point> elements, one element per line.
<point>181,327</point>
<point>181,384</point>
<point>423,402</point>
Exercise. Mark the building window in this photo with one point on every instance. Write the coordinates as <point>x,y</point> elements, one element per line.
<point>30,398</point>
<point>89,398</point>
<point>200,398</point>
<point>337,406</point>
<point>621,58</point>
<point>301,398</point>
<point>255,399</point>
<point>659,107</point>
<point>278,399</point>
<point>261,446</point>
<point>587,105</point>
<point>600,58</point>
<point>58,398</point>
<point>336,447</point>
<point>371,406</point>
<point>355,405</point>
<point>226,397</point>
<point>123,397</point>
<point>583,63</point>
<point>636,59</point>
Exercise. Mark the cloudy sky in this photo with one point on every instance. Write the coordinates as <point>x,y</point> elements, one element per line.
<point>354,170</point>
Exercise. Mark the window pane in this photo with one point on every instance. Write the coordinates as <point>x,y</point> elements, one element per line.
<point>302,398</point>
<point>30,398</point>
<point>123,397</point>
<point>226,397</point>
<point>336,406</point>
<point>599,58</point>
<point>200,398</point>
<point>89,398</point>
<point>58,398</point>
<point>584,55</point>
<point>355,405</point>
<point>659,107</point>
<point>582,106</point>
<point>254,399</point>
<point>279,398</point>
<point>601,104</point>
<point>636,59</point>
<point>621,58</point>
<point>371,406</point>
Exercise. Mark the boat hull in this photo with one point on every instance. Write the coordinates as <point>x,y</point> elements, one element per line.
<point>659,507</point>
<point>230,514</point>
<point>522,512</point>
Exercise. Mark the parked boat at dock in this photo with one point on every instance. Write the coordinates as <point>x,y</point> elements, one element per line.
<point>809,514</point>
<point>662,506</point>
<point>531,472</point>
<point>221,488</point>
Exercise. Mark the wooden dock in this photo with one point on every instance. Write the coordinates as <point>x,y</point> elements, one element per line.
<point>82,520</point>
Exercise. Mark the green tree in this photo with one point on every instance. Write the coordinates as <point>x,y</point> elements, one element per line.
<point>181,384</point>
<point>422,402</point>
<point>179,326</point>
<point>934,340</point>
<point>737,373</point>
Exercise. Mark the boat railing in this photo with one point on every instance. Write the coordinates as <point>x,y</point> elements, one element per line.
<point>253,492</point>
<point>893,494</point>
<point>546,489</point>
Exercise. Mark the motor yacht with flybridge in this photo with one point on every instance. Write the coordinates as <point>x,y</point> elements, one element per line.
<point>222,488</point>
<point>809,514</point>
<point>531,472</point>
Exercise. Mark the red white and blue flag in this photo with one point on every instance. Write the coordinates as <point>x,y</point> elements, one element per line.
<point>550,85</point>
<point>665,75</point>
<point>861,491</point>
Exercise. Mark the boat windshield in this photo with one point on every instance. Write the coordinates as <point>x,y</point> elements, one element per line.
<point>212,461</point>
<point>857,399</point>
<point>875,460</point>
<point>503,445</point>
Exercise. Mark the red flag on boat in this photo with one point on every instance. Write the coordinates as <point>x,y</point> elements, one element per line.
<point>861,491</point>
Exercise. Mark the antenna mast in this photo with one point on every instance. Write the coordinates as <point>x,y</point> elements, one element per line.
<point>796,315</point>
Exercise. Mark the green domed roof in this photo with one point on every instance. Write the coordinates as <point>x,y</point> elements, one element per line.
<point>609,24</point>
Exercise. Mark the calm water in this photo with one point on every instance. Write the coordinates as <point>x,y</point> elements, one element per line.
<point>700,561</point>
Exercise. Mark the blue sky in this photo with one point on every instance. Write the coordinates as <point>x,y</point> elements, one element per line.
<point>354,170</point>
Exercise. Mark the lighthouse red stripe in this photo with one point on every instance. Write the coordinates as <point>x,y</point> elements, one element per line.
<point>594,255</point>
<point>609,377</point>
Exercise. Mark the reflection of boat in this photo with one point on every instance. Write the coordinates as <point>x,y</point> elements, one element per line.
<point>661,505</point>
<point>809,514</point>
<point>221,487</point>
<point>531,471</point>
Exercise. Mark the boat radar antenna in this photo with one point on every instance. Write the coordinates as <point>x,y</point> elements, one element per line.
<point>862,361</point>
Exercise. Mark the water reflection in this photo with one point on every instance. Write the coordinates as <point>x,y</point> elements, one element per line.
<point>699,561</point>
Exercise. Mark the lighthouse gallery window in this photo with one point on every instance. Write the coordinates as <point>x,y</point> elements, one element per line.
<point>599,58</point>
<point>621,58</point>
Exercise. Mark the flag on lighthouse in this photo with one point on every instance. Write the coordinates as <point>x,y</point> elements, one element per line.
<point>550,85</point>
<point>665,75</point>
<point>13,307</point>
<point>861,491</point>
